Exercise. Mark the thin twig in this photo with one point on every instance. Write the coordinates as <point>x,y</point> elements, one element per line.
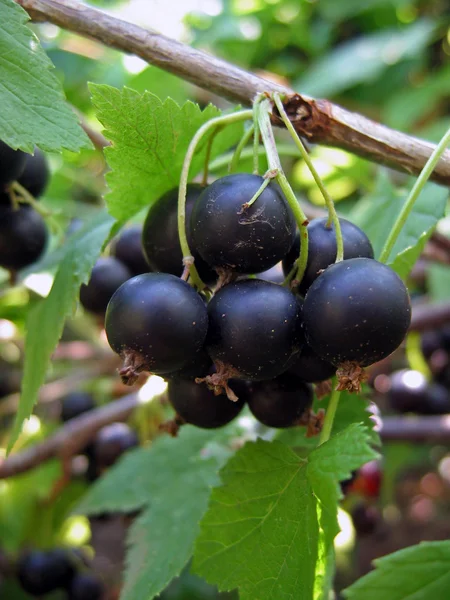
<point>70,439</point>
<point>320,121</point>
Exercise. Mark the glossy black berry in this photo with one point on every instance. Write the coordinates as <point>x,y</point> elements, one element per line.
<point>199,406</point>
<point>199,366</point>
<point>12,163</point>
<point>407,391</point>
<point>107,276</point>
<point>75,404</point>
<point>322,248</point>
<point>36,173</point>
<point>160,239</point>
<point>128,249</point>
<point>310,367</point>
<point>111,442</point>
<point>280,402</point>
<point>254,327</point>
<point>155,322</point>
<point>246,240</point>
<point>366,519</point>
<point>358,310</point>
<point>41,572</point>
<point>430,342</point>
<point>23,236</point>
<point>274,274</point>
<point>85,586</point>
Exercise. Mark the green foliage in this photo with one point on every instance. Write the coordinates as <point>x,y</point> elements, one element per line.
<point>34,111</point>
<point>46,320</point>
<point>438,281</point>
<point>149,140</point>
<point>376,213</point>
<point>262,531</point>
<point>420,572</point>
<point>170,481</point>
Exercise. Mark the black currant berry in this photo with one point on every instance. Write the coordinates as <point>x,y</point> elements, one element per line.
<point>438,400</point>
<point>274,274</point>
<point>111,442</point>
<point>160,239</point>
<point>199,366</point>
<point>75,404</point>
<point>280,402</point>
<point>366,519</point>
<point>36,173</point>
<point>12,163</point>
<point>155,322</point>
<point>230,236</point>
<point>430,342</point>
<point>199,406</point>
<point>310,367</point>
<point>107,276</point>
<point>357,311</point>
<point>322,248</point>
<point>407,391</point>
<point>43,572</point>
<point>128,249</point>
<point>23,237</point>
<point>254,328</point>
<point>85,586</point>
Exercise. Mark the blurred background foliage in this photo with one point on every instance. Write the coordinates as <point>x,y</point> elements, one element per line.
<point>387,59</point>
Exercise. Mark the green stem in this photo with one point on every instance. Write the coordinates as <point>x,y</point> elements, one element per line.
<point>329,415</point>
<point>413,195</point>
<point>263,113</point>
<point>208,155</point>
<point>332,214</point>
<point>204,129</point>
<point>256,131</point>
<point>237,153</point>
<point>224,160</point>
<point>257,194</point>
<point>27,198</point>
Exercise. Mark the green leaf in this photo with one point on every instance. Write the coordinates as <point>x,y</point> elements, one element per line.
<point>262,531</point>
<point>34,111</point>
<point>45,321</point>
<point>172,481</point>
<point>364,59</point>
<point>420,572</point>
<point>149,140</point>
<point>351,409</point>
<point>376,213</point>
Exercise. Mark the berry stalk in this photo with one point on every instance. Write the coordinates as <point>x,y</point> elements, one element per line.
<point>188,259</point>
<point>329,415</point>
<point>332,215</point>
<point>413,195</point>
<point>237,153</point>
<point>263,108</point>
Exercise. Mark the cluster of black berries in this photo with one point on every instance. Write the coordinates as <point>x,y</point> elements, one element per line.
<point>254,340</point>
<point>110,442</point>
<point>23,232</point>
<point>42,572</point>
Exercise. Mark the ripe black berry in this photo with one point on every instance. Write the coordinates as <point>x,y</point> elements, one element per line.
<point>407,391</point>
<point>36,173</point>
<point>12,163</point>
<point>85,586</point>
<point>160,239</point>
<point>111,442</point>
<point>322,248</point>
<point>358,311</point>
<point>107,276</point>
<point>274,274</point>
<point>246,240</point>
<point>23,236</point>
<point>43,572</point>
<point>75,404</point>
<point>280,402</point>
<point>310,367</point>
<point>199,406</point>
<point>366,519</point>
<point>128,249</point>
<point>199,366</point>
<point>155,322</point>
<point>254,328</point>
